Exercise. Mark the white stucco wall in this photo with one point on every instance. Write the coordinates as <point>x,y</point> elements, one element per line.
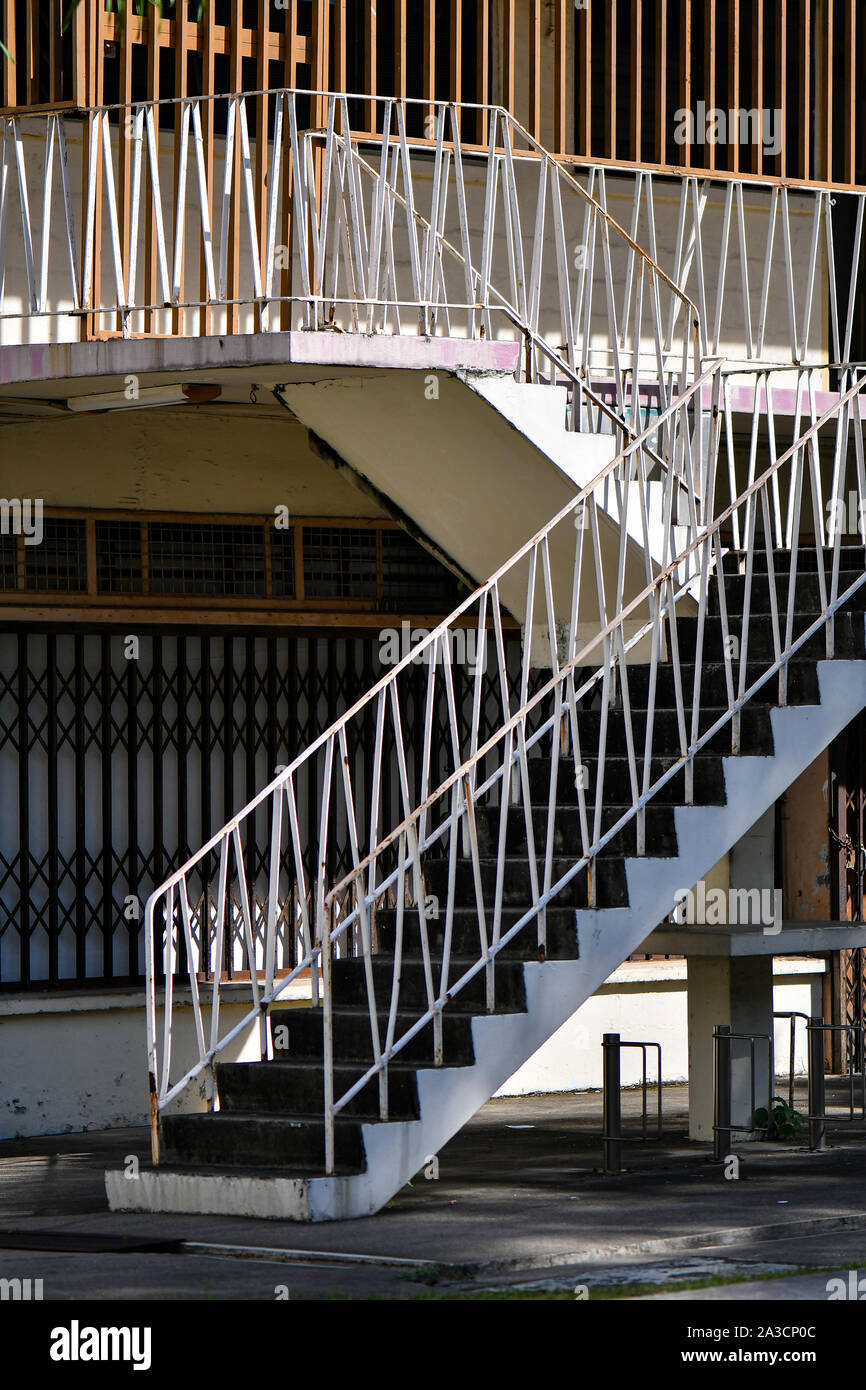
<point>645,1001</point>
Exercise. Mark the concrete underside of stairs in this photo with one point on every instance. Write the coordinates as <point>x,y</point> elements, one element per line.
<point>396,1151</point>
<point>437,426</point>
<point>477,480</point>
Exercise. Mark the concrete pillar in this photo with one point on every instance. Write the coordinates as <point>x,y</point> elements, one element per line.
<point>737,990</point>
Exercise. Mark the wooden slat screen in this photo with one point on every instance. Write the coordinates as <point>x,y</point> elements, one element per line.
<point>597,80</point>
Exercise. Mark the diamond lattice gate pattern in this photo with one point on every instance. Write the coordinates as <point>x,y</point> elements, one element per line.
<point>120,755</point>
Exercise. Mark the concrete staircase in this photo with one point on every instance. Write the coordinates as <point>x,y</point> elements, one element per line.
<point>262,1152</point>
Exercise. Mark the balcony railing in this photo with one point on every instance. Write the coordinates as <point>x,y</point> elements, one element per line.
<point>187,232</point>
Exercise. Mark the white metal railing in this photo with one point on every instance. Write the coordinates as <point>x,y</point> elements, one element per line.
<point>189,222</point>
<point>776,272</point>
<point>165,216</point>
<point>637,644</point>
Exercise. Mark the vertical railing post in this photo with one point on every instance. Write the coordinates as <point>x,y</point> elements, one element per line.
<point>722,1106</point>
<point>817,1126</point>
<point>612,1103</point>
<point>327,1036</point>
<point>150,1025</point>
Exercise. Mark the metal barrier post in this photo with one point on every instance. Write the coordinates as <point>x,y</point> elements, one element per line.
<point>612,1104</point>
<point>815,1032</point>
<point>722,1126</point>
<point>792,1016</point>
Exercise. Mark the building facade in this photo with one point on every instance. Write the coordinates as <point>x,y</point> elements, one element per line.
<point>312,316</point>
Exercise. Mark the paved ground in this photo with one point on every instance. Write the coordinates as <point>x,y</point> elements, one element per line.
<point>519,1203</point>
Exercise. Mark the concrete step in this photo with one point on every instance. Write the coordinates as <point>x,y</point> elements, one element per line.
<point>661,839</point>
<point>562,941</point>
<point>297,1089</point>
<point>849,637</point>
<point>851,558</point>
<point>802,681</point>
<point>517,890</point>
<point>350,981</point>
<point>807,591</point>
<point>237,1138</point>
<point>709,781</point>
<point>352,1039</point>
<point>756,729</point>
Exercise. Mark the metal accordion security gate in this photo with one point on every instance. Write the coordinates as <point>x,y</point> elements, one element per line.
<point>848,857</point>
<point>121,755</point>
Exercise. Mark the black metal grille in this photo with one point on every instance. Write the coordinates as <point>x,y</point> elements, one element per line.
<point>8,561</point>
<point>411,576</point>
<point>340,562</point>
<point>283,562</point>
<point>117,766</point>
<point>202,558</point>
<point>59,563</point>
<point>119,562</point>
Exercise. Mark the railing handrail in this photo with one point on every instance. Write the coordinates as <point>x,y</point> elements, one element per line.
<point>494,110</point>
<point>434,635</point>
<point>562,673</point>
<point>579,660</point>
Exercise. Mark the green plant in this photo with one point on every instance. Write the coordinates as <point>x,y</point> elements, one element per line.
<point>120,7</point>
<point>781,1121</point>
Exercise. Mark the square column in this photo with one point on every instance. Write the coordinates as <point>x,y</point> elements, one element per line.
<point>738,991</point>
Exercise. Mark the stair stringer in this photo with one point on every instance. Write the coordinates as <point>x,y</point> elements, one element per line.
<point>449,1097</point>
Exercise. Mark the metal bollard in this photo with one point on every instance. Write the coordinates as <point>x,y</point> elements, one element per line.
<point>722,1125</point>
<point>817,1126</point>
<point>612,1104</point>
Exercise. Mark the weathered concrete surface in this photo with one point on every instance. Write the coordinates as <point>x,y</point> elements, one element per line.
<point>92,366</point>
<point>798,1288</point>
<point>519,1198</point>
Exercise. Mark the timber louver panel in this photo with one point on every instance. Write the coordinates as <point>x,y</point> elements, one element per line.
<point>373,564</point>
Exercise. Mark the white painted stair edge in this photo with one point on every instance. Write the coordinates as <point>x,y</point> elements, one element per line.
<point>449,1097</point>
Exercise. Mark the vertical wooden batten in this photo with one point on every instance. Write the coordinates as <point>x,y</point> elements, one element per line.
<point>686,94</point>
<point>234,246</point>
<point>610,80</point>
<point>263,170</point>
<point>429,60</point>
<point>710,69</point>
<point>509,20</point>
<point>535,69</point>
<point>635,134</point>
<point>561,103</point>
<point>806,130</point>
<point>782,80</point>
<point>370,65</point>
<point>734,64</point>
<point>10,65</point>
<point>758,84</point>
<point>456,56</point>
<point>850,122</point>
<point>400,37</point>
<point>206,42</point>
<point>661,77</point>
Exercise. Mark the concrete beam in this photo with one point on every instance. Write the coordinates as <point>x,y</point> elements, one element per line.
<point>793,939</point>
<point>259,356</point>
